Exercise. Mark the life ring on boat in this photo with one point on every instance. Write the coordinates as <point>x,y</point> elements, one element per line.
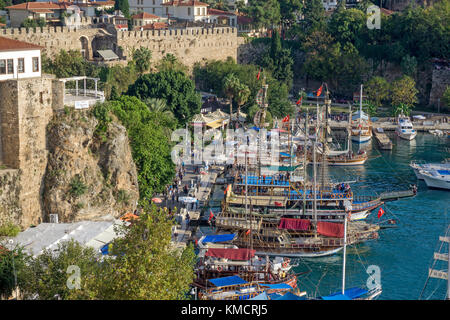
<point>340,196</point>
<point>219,268</point>
<point>348,195</point>
<point>332,196</point>
<point>285,264</point>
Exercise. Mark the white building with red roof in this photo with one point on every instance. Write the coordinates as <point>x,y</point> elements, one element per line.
<point>190,10</point>
<point>144,18</point>
<point>19,59</point>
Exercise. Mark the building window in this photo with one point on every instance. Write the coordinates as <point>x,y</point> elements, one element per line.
<point>21,65</point>
<point>10,64</point>
<point>35,64</point>
<point>2,66</point>
<point>189,11</point>
<point>153,10</point>
<point>153,2</point>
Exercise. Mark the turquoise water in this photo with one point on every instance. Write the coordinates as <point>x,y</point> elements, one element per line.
<point>404,253</point>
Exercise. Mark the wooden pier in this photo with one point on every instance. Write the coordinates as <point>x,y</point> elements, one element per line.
<point>383,140</point>
<point>395,195</point>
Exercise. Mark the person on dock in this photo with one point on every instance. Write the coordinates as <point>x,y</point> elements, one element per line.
<point>187,217</point>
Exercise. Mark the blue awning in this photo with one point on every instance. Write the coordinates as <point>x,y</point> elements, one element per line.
<point>349,294</point>
<point>105,249</point>
<point>219,238</point>
<point>284,154</point>
<point>289,296</point>
<point>227,281</point>
<point>277,286</point>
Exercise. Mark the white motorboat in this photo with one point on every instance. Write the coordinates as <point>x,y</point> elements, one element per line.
<point>405,128</point>
<point>439,179</point>
<point>422,165</point>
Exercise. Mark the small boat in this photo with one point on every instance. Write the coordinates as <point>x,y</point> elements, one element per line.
<point>236,288</point>
<point>361,130</point>
<point>434,178</point>
<point>422,165</point>
<point>405,128</point>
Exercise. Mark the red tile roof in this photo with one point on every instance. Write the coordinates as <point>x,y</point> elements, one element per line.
<point>185,3</point>
<point>145,15</point>
<point>155,26</point>
<point>37,5</point>
<point>217,12</point>
<point>7,44</point>
<point>244,20</point>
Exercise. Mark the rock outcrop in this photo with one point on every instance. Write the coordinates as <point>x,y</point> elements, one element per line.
<point>88,176</point>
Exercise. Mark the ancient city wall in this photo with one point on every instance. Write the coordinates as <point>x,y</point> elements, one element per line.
<point>26,107</point>
<point>190,45</point>
<point>441,80</point>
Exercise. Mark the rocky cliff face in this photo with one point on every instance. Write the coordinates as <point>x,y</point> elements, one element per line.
<point>87,176</point>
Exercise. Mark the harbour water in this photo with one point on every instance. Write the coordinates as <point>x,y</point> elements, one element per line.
<point>403,254</point>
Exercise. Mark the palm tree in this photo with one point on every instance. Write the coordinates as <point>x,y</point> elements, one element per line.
<point>242,96</point>
<point>231,86</point>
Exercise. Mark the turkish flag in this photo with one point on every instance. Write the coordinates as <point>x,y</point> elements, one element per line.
<point>380,212</point>
<point>211,215</point>
<point>286,119</point>
<point>319,92</point>
<point>258,75</point>
<point>278,204</point>
<point>299,101</point>
<point>248,232</point>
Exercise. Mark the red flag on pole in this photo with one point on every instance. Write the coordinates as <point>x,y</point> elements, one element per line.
<point>299,101</point>
<point>259,73</point>
<point>247,232</point>
<point>380,212</point>
<point>319,92</point>
<point>211,215</point>
<point>278,204</point>
<point>286,119</point>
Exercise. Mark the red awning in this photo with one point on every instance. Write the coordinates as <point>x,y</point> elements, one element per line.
<point>232,254</point>
<point>330,229</point>
<point>294,224</point>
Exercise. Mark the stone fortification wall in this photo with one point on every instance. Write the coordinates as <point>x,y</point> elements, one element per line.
<point>26,109</point>
<point>190,45</point>
<point>441,80</point>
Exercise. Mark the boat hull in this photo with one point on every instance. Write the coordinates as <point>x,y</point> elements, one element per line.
<point>407,136</point>
<point>433,182</point>
<point>361,138</point>
<point>300,254</point>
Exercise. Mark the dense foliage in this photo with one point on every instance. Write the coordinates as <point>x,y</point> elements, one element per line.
<point>211,76</point>
<point>149,140</point>
<point>142,265</point>
<point>174,87</point>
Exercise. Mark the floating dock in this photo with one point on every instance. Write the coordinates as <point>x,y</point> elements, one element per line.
<point>383,140</point>
<point>395,195</point>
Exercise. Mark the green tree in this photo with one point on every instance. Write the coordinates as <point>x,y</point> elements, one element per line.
<point>409,65</point>
<point>148,132</point>
<point>145,265</point>
<point>13,269</point>
<point>279,61</point>
<point>141,58</point>
<point>230,87</point>
<point>171,63</point>
<point>265,13</point>
<point>314,17</point>
<point>377,90</point>
<point>174,87</point>
<point>48,272</point>
<point>123,6</point>
<point>33,23</point>
<point>404,93</point>
<point>446,98</point>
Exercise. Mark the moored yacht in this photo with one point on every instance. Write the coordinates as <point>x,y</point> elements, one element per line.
<point>436,178</point>
<point>405,128</point>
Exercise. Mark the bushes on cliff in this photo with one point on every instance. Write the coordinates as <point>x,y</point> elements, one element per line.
<point>149,141</point>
